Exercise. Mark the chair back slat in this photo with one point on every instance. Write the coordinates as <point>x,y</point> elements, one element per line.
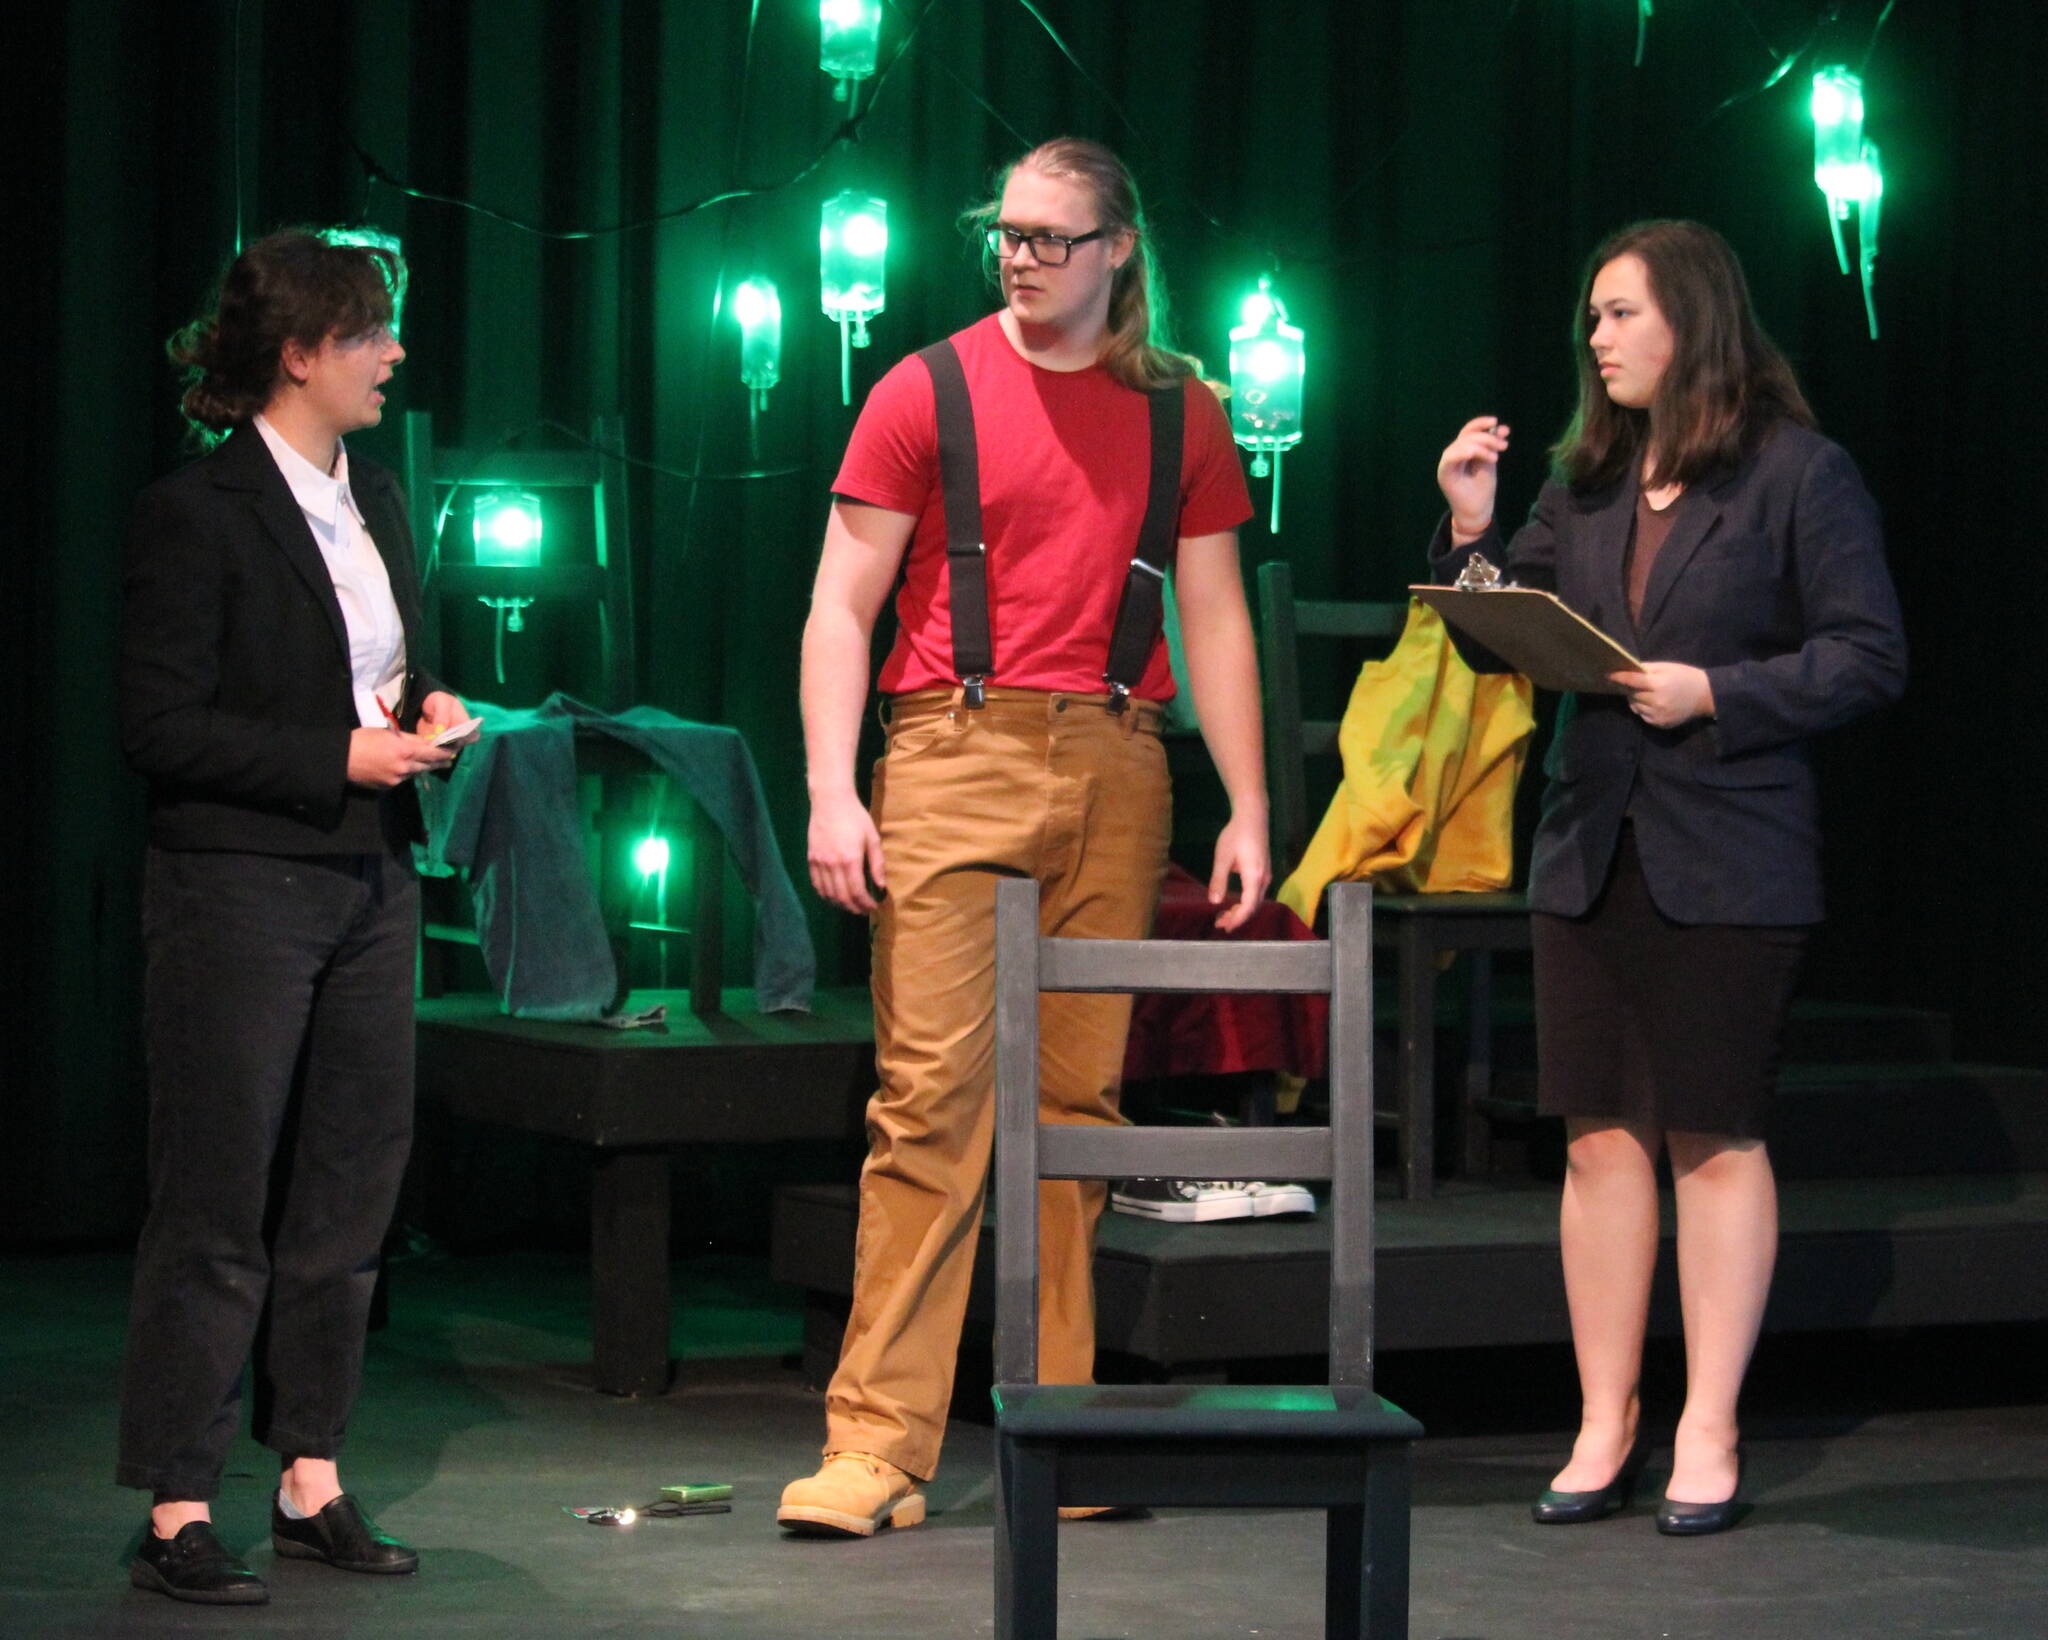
<point>1316,619</point>
<point>1073,1152</point>
<point>1257,966</point>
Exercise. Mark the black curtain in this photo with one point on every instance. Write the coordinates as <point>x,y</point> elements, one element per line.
<point>1421,179</point>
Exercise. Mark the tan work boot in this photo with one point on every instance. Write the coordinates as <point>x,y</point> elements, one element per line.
<point>854,1495</point>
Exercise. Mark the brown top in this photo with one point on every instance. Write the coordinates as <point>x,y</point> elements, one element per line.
<point>1652,527</point>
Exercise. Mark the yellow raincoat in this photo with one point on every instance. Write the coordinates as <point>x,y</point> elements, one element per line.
<point>1432,751</point>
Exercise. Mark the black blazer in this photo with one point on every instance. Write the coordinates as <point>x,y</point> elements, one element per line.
<point>1773,581</point>
<point>234,687</point>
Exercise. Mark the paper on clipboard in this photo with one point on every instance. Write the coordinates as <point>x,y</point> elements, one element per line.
<point>1536,634</point>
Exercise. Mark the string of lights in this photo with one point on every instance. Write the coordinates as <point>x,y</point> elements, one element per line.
<point>847,131</point>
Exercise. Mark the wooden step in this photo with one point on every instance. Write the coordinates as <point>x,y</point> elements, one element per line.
<point>1478,1265</point>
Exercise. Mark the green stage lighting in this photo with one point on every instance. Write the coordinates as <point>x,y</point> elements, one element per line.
<point>853,247</point>
<point>758,309</point>
<point>376,240</point>
<point>1847,170</point>
<point>507,529</point>
<point>650,855</point>
<point>849,36</point>
<point>1838,169</point>
<point>1267,362</point>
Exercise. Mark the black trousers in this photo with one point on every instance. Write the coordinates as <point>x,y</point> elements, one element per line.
<point>278,1014</point>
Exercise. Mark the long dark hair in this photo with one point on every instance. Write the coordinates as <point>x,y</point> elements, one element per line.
<point>1726,382</point>
<point>293,285</point>
<point>1140,352</point>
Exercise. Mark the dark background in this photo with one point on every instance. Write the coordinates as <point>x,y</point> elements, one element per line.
<point>1422,177</point>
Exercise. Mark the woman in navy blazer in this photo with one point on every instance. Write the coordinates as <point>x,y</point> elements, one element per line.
<point>1697,519</point>
<point>269,644</point>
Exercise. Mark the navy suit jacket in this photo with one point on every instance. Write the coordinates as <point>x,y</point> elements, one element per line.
<point>234,685</point>
<point>1773,581</point>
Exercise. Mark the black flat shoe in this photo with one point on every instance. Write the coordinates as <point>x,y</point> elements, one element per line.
<point>342,1536</point>
<point>194,1566</point>
<point>1557,1508</point>
<point>1676,1519</point>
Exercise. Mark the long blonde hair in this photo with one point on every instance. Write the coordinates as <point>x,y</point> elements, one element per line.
<point>1140,353</point>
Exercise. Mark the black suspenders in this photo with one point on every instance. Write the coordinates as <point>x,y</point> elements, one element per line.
<point>1141,607</point>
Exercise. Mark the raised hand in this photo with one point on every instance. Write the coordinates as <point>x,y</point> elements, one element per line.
<point>1467,473</point>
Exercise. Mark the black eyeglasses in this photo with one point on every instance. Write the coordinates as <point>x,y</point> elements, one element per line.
<point>1051,249</point>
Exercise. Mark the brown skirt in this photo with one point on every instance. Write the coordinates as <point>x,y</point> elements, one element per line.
<point>1656,1023</point>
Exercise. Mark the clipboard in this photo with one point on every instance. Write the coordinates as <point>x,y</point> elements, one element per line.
<point>1536,634</point>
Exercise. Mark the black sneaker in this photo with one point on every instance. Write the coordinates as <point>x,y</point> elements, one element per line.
<point>1184,1201</point>
<point>194,1566</point>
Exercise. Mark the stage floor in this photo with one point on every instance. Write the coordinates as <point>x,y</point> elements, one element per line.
<point>1901,1482</point>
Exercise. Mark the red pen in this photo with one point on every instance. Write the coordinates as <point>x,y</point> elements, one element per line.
<point>390,716</point>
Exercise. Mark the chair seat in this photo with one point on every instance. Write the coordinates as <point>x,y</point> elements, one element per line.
<point>1188,1412</point>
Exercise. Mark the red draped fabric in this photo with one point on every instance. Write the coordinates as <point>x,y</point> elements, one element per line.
<point>1216,1035</point>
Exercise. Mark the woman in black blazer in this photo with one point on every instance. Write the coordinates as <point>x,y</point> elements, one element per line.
<point>1698,519</point>
<point>269,624</point>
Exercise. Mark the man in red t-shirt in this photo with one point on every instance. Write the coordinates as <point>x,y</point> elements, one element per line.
<point>1025,767</point>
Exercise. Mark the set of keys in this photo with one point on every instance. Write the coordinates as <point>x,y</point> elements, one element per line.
<point>674,1501</point>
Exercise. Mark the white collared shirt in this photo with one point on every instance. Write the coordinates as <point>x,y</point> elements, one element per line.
<point>362,586</point>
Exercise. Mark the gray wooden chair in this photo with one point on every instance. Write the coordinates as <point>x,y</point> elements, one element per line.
<point>1417,929</point>
<point>1337,1446</point>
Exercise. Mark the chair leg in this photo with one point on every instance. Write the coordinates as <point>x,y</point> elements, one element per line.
<point>1477,1125</point>
<point>1418,1061</point>
<point>1365,1577</point>
<point>1027,1542</point>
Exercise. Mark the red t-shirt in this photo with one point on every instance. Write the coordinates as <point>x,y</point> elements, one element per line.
<point>1065,461</point>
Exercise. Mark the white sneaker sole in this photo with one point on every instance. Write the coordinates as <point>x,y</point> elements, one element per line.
<point>1231,1207</point>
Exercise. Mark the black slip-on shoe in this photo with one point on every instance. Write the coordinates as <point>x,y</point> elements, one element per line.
<point>194,1566</point>
<point>342,1536</point>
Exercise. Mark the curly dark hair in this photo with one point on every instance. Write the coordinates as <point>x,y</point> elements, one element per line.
<point>295,285</point>
<point>1726,383</point>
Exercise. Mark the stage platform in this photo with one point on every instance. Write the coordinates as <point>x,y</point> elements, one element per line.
<point>1901,1487</point>
<point>1478,1265</point>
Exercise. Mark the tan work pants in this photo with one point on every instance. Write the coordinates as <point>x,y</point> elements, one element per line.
<point>1049,786</point>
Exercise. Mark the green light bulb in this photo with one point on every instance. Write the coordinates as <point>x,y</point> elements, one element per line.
<point>758,309</point>
<point>853,246</point>
<point>1838,168</point>
<point>849,40</point>
<point>1838,135</point>
<point>650,855</point>
<point>506,526</point>
<point>853,243</point>
<point>1267,362</point>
